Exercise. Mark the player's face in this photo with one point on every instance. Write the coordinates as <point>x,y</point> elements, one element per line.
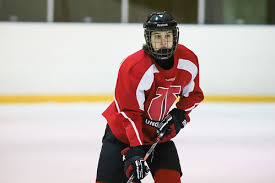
<point>162,39</point>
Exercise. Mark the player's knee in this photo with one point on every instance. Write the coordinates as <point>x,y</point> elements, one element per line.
<point>166,175</point>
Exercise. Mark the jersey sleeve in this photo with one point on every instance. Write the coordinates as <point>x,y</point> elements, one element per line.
<point>192,94</point>
<point>127,103</point>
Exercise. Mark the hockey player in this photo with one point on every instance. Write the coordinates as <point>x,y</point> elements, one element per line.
<point>149,82</point>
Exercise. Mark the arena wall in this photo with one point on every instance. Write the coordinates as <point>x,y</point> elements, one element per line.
<point>60,59</point>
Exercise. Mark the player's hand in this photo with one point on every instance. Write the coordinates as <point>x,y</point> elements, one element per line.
<point>175,117</point>
<point>134,163</point>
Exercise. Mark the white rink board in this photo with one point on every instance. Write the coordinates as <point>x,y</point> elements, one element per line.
<point>60,58</point>
<point>60,143</point>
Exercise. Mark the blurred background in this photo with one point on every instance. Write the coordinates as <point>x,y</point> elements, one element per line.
<point>135,11</point>
<point>58,66</point>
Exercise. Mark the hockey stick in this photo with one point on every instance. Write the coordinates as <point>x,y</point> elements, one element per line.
<point>148,153</point>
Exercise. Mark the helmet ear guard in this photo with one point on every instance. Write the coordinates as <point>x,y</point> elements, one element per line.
<point>160,21</point>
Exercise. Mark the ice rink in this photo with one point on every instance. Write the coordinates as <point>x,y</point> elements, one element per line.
<point>60,143</point>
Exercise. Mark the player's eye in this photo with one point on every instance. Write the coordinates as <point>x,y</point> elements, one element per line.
<point>157,36</point>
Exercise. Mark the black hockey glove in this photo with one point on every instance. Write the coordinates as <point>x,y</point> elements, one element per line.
<point>176,117</point>
<point>134,163</point>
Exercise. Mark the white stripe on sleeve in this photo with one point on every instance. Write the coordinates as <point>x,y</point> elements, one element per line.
<point>145,84</point>
<point>131,121</point>
<point>133,125</point>
<point>193,70</point>
<point>191,108</point>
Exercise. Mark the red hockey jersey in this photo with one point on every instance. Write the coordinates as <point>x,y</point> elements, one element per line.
<point>145,90</point>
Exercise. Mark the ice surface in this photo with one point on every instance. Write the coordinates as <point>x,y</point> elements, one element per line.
<point>60,143</point>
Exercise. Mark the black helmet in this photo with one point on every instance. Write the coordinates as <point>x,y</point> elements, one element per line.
<point>160,21</point>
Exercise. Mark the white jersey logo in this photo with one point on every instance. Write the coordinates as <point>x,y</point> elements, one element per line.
<point>170,79</point>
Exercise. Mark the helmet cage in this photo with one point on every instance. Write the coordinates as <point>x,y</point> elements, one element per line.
<point>161,54</point>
